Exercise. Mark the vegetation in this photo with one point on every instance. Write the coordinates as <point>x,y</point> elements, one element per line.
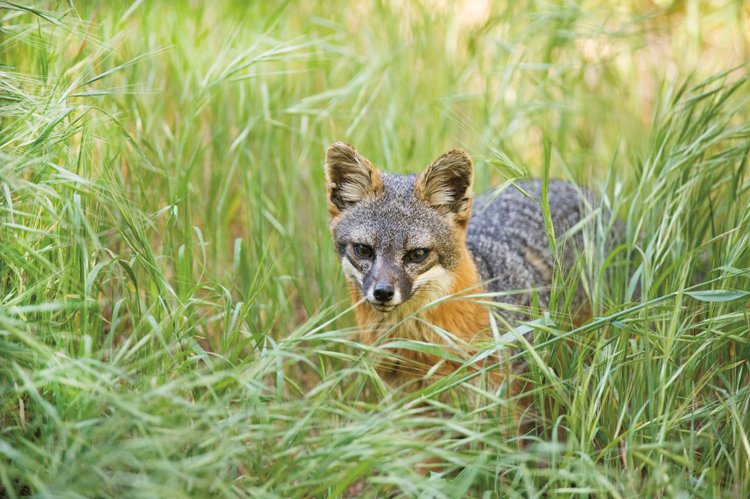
<point>174,322</point>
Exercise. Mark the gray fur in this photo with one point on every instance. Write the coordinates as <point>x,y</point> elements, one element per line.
<point>507,238</point>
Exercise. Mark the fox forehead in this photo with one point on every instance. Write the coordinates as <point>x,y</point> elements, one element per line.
<point>396,216</point>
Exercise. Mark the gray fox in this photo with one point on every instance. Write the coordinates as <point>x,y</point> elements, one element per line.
<point>412,250</point>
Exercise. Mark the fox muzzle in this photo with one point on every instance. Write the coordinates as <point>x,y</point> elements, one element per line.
<point>386,286</point>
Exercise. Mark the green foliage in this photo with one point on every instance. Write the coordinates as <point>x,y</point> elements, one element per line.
<point>173,321</point>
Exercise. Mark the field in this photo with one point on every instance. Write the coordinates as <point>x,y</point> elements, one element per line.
<point>173,318</point>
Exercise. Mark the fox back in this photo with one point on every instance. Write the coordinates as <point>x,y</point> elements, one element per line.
<point>412,252</point>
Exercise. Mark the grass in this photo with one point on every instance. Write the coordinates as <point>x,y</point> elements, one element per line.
<point>173,321</point>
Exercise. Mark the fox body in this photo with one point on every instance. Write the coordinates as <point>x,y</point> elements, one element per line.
<point>413,251</point>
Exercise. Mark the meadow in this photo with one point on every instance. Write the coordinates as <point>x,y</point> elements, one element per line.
<point>173,318</point>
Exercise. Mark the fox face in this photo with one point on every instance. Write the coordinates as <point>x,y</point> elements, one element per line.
<point>399,237</point>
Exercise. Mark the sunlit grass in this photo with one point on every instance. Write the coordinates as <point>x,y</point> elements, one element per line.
<point>173,321</point>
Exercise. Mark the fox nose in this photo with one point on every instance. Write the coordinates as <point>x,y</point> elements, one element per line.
<point>383,292</point>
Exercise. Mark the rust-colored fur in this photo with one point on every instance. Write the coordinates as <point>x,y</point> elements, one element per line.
<point>464,319</point>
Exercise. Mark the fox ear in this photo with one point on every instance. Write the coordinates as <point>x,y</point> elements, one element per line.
<point>350,176</point>
<point>446,185</point>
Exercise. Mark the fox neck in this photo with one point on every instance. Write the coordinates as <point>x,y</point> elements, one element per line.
<point>454,322</point>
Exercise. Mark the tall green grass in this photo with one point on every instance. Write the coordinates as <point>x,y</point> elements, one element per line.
<point>173,321</point>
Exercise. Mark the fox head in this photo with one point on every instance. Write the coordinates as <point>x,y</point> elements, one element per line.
<point>399,237</point>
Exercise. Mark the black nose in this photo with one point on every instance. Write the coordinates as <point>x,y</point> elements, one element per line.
<point>383,292</point>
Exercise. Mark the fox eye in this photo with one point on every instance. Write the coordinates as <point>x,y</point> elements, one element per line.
<point>363,251</point>
<point>417,255</point>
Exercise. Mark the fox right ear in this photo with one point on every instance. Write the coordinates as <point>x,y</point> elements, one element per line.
<point>446,185</point>
<point>350,176</point>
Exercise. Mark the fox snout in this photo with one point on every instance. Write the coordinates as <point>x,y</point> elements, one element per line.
<point>385,286</point>
<point>382,296</point>
<point>383,292</point>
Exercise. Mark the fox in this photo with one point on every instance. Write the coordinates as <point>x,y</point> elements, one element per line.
<point>416,250</point>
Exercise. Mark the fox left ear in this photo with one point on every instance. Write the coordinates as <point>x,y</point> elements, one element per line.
<point>446,185</point>
<point>351,178</point>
